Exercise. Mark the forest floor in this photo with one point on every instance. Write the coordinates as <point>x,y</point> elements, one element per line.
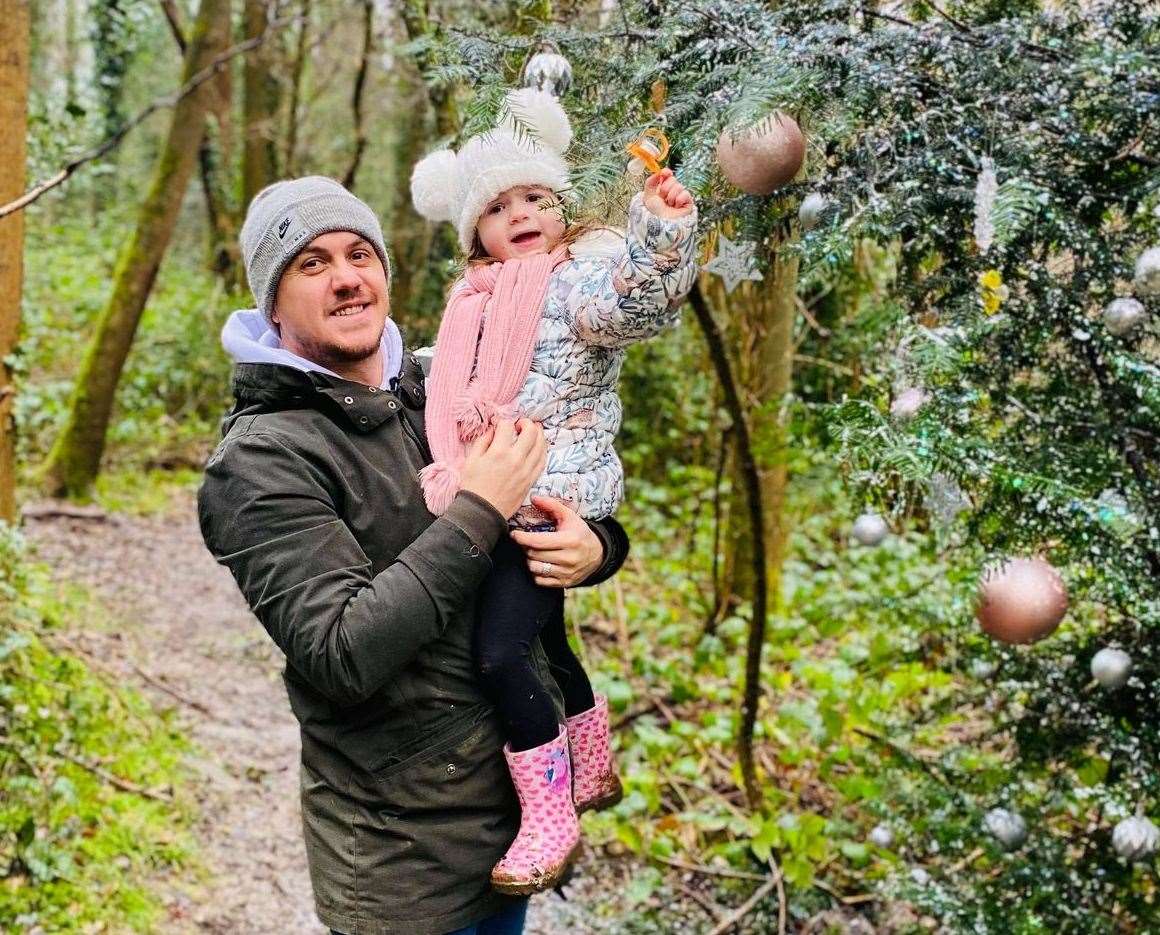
<point>185,637</point>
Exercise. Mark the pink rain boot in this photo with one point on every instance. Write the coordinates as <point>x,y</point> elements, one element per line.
<point>549,836</point>
<point>595,783</point>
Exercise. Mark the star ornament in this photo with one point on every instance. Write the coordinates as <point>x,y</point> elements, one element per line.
<point>734,262</point>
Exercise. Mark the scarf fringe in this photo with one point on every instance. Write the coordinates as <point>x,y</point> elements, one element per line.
<point>440,482</point>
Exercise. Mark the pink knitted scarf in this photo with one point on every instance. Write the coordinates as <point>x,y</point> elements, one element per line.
<point>506,299</point>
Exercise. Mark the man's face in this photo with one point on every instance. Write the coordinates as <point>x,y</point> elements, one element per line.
<point>519,223</point>
<point>331,305</point>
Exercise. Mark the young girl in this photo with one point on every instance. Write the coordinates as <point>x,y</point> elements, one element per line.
<point>536,327</point>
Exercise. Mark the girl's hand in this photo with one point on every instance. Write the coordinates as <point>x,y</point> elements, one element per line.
<point>665,197</point>
<point>562,558</point>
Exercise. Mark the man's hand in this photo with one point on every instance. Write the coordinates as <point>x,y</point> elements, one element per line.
<point>665,197</point>
<point>564,557</point>
<point>503,463</point>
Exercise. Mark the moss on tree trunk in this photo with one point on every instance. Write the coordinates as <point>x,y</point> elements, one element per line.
<point>75,459</point>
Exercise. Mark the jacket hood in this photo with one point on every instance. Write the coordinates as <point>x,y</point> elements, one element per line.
<point>248,338</point>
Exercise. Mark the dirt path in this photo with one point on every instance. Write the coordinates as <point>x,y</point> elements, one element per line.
<point>185,637</point>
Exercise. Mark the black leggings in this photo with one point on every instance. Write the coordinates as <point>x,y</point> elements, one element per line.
<point>512,612</point>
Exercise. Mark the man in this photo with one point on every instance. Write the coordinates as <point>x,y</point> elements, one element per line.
<point>312,501</point>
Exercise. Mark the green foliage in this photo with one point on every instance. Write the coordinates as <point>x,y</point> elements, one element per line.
<point>74,849</point>
<point>175,385</point>
<point>1038,434</point>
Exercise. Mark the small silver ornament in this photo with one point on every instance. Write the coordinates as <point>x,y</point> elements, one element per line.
<point>1007,827</point>
<point>1136,838</point>
<point>983,669</point>
<point>811,210</point>
<point>549,71</point>
<point>881,836</point>
<point>1111,667</point>
<point>945,499</point>
<point>1147,278</point>
<point>907,404</point>
<point>734,262</point>
<point>1123,316</point>
<point>870,529</point>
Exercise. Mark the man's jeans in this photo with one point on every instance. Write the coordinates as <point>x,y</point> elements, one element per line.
<point>508,922</point>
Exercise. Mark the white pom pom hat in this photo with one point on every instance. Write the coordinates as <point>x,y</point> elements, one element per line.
<point>527,148</point>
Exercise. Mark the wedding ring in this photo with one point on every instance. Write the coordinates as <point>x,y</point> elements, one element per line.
<point>545,568</point>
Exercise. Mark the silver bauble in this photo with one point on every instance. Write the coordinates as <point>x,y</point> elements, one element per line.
<point>1147,278</point>
<point>1123,316</point>
<point>983,669</point>
<point>1007,827</point>
<point>1111,667</point>
<point>870,529</point>
<point>907,404</point>
<point>761,160</point>
<point>881,836</point>
<point>1021,600</point>
<point>811,210</point>
<point>1136,838</point>
<point>548,71</point>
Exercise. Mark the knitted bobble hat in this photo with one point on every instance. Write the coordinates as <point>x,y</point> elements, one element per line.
<point>527,148</point>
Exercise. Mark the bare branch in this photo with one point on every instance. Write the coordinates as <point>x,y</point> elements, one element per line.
<point>170,100</point>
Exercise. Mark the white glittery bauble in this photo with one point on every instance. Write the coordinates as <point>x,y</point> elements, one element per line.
<point>870,529</point>
<point>1111,667</point>
<point>1123,316</point>
<point>548,71</point>
<point>1136,838</point>
<point>1007,827</point>
<point>1147,278</point>
<point>811,209</point>
<point>907,404</point>
<point>881,836</point>
<point>762,160</point>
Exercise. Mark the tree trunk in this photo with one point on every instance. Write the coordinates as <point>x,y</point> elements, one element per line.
<point>213,153</point>
<point>15,34</point>
<point>298,68</point>
<point>75,458</point>
<point>356,95</point>
<point>260,106</point>
<point>762,316</point>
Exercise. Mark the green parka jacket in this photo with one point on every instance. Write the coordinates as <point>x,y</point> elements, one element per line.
<point>312,501</point>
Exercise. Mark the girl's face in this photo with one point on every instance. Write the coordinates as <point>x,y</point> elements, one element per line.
<point>519,223</point>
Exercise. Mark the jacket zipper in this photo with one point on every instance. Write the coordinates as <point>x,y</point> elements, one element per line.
<point>421,442</point>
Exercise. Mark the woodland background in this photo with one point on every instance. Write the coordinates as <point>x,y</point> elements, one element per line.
<point>991,170</point>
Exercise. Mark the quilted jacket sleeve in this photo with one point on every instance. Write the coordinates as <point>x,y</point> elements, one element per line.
<point>645,286</point>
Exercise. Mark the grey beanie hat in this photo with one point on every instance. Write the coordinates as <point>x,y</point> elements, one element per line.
<point>286,216</point>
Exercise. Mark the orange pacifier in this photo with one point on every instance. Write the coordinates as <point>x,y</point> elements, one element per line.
<point>651,149</point>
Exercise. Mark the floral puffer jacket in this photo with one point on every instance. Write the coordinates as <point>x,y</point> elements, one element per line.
<point>598,302</point>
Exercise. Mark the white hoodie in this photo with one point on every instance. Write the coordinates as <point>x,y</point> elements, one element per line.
<point>249,339</point>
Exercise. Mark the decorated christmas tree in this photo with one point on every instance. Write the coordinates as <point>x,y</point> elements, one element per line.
<point>990,172</point>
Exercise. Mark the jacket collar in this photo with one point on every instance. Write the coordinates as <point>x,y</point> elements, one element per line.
<point>362,408</point>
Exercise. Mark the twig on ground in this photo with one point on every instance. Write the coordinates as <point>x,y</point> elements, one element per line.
<point>714,911</point>
<point>759,894</point>
<point>174,693</point>
<point>54,509</point>
<point>845,900</point>
<point>123,784</point>
<point>710,871</point>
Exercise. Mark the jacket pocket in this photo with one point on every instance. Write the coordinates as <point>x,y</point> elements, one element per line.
<point>447,735</point>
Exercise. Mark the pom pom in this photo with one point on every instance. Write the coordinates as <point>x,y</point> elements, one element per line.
<point>433,186</point>
<point>472,414</point>
<point>440,482</point>
<point>540,114</point>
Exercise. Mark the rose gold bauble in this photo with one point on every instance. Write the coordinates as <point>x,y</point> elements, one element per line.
<point>1022,600</point>
<point>762,160</point>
